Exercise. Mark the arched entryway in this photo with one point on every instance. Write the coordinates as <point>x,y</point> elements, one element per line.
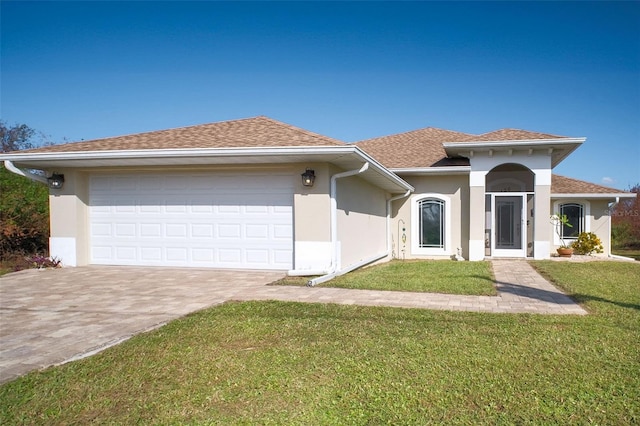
<point>509,211</point>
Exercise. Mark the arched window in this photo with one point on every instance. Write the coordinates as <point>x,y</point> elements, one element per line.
<point>432,223</point>
<point>575,216</point>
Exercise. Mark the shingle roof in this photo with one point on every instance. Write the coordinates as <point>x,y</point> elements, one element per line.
<point>511,135</point>
<point>423,148</point>
<point>250,132</point>
<point>566,185</point>
<point>418,148</point>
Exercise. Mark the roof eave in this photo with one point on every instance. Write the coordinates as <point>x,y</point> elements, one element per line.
<point>562,147</point>
<point>446,170</point>
<point>611,195</point>
<point>343,156</point>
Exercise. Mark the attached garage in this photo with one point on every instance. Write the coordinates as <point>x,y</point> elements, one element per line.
<point>203,219</point>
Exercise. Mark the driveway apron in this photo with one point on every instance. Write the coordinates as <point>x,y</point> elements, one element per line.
<point>52,316</point>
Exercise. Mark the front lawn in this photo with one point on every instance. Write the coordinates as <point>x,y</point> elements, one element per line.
<point>634,254</point>
<point>294,363</point>
<point>441,276</point>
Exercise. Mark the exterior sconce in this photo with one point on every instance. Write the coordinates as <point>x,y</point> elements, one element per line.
<point>56,181</point>
<point>308,177</point>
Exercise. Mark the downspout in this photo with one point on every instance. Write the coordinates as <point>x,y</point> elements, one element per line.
<point>389,201</point>
<point>610,220</point>
<point>333,268</point>
<point>615,256</point>
<point>26,173</point>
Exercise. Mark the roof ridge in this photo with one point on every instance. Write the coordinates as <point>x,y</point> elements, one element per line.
<point>409,132</point>
<point>300,129</point>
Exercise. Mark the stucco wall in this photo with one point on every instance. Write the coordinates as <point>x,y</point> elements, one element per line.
<point>69,219</point>
<point>311,222</point>
<point>456,189</point>
<point>597,220</point>
<point>361,220</point>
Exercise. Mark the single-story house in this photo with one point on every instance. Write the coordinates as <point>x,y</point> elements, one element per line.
<point>261,194</point>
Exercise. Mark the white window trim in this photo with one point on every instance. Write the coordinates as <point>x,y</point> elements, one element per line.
<point>586,211</point>
<point>415,226</point>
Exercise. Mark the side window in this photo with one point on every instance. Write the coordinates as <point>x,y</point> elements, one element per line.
<point>575,216</point>
<point>431,225</point>
<point>432,217</point>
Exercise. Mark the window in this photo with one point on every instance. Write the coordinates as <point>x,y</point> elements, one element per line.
<point>575,216</point>
<point>431,224</point>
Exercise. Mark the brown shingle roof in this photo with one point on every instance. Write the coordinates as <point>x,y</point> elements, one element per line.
<point>418,148</point>
<point>511,135</point>
<point>566,185</point>
<point>246,133</point>
<point>423,148</point>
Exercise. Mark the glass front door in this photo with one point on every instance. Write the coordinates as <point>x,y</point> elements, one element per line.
<point>508,226</point>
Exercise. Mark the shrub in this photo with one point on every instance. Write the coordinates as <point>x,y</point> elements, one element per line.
<point>24,216</point>
<point>587,243</point>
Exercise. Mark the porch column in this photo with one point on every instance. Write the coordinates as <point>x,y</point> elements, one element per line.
<point>476,214</point>
<point>542,214</point>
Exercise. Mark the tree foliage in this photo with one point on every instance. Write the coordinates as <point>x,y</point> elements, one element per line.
<point>24,204</point>
<point>16,137</point>
<point>625,221</point>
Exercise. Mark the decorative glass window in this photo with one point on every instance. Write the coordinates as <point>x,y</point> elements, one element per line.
<point>575,216</point>
<point>431,223</point>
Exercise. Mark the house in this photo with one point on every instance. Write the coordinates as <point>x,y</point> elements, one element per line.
<point>261,194</point>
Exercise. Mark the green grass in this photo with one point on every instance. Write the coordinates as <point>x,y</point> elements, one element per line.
<point>291,363</point>
<point>635,254</point>
<point>442,276</point>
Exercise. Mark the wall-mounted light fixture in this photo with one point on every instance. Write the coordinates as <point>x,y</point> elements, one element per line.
<point>56,181</point>
<point>308,177</point>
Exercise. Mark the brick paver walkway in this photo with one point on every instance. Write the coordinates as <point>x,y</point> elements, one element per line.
<point>53,316</point>
<point>520,290</point>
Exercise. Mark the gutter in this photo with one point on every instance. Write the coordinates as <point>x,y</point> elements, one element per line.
<point>23,172</point>
<point>594,195</point>
<point>333,269</point>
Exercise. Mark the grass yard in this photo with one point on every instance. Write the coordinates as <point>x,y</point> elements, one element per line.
<point>441,276</point>
<point>289,363</point>
<point>634,254</point>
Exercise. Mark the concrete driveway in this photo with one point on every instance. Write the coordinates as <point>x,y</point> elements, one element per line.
<point>51,316</point>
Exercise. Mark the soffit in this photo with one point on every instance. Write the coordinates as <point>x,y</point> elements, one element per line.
<point>344,156</point>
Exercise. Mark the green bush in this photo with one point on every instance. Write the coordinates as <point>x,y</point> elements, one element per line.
<point>24,216</point>
<point>587,243</point>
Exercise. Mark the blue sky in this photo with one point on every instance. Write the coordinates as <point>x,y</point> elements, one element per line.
<point>349,70</point>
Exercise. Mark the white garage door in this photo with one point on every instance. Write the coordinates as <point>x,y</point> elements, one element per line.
<point>220,220</point>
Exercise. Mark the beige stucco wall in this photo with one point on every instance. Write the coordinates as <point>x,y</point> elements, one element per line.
<point>361,220</point>
<point>597,220</point>
<point>312,222</point>
<point>69,219</point>
<point>456,188</point>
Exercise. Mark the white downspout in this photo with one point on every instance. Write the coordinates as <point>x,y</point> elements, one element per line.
<point>610,220</point>
<point>333,269</point>
<point>26,173</point>
<point>615,256</point>
<point>389,201</point>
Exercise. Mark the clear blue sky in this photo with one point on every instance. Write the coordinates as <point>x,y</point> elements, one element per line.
<point>85,70</point>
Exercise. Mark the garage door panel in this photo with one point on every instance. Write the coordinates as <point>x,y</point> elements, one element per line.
<point>214,220</point>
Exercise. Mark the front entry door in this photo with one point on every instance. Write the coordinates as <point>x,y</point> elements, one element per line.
<point>508,226</point>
